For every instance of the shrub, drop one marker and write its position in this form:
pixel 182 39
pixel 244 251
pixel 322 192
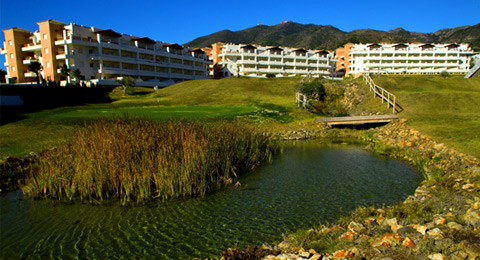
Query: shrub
pixel 140 159
pixel 270 75
pixel 444 74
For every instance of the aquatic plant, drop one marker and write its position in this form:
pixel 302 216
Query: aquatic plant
pixel 140 159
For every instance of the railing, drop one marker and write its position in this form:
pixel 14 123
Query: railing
pixel 380 92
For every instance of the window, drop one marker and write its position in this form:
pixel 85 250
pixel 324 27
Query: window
pixel 10 43
pixel 91 65
pixel 13 68
pixel 45 36
pixel 46 50
pixel 48 64
pixel 11 55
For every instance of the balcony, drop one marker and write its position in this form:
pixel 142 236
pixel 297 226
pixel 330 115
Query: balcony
pixel 29 60
pixel 29 74
pixel 31 47
pixel 61 55
pixel 3 51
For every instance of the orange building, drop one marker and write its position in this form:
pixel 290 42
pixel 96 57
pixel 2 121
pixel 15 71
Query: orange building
pixel 343 56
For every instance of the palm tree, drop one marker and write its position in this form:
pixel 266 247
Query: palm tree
pixel 64 70
pixel 76 74
pixel 36 67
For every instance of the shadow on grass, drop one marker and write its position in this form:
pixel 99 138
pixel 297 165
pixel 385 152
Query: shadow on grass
pixel 36 98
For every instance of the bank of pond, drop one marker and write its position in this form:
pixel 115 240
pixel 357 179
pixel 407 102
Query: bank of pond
pixel 308 183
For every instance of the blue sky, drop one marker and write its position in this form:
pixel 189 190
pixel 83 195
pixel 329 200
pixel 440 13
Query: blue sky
pixel 183 21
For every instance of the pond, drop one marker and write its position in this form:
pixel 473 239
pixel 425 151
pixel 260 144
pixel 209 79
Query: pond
pixel 311 182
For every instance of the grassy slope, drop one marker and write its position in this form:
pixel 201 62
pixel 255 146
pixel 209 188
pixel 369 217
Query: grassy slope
pixel 204 99
pixel 445 109
pixel 448 109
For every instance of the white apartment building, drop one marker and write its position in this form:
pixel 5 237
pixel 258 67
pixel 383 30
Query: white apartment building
pixel 102 56
pixel 404 58
pixel 258 61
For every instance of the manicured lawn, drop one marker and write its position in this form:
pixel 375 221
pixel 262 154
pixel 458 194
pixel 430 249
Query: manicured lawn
pixel 447 109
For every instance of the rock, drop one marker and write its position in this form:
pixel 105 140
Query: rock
pixel 391 222
pixel 316 257
pixel 436 233
pixel 436 256
pixel 347 235
pixel 404 231
pixel 340 253
pixel 356 227
pixel 440 221
pixel 284 244
pixel 422 229
pixel 395 228
pixel 468 186
pixel 472 218
pixel 454 225
pixel 304 255
pixel 408 242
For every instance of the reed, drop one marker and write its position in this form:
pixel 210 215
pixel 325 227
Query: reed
pixel 138 159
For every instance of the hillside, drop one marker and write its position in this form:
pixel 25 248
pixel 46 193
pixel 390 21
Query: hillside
pixel 328 37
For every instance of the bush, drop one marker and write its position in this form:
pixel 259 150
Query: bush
pixel 313 90
pixel 270 75
pixel 444 74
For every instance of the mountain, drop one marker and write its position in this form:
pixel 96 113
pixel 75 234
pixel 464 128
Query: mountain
pixel 328 37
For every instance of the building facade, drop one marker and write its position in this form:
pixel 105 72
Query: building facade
pixel 258 61
pixel 102 56
pixel 404 58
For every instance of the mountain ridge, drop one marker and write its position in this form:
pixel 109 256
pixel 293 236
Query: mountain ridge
pixel 311 36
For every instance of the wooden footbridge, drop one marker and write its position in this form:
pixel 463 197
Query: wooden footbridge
pixel 357 120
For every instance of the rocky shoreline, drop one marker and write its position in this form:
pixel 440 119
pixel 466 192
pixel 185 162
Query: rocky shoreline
pixel 440 221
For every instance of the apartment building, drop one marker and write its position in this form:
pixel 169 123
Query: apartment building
pixel 404 58
pixel 258 61
pixel 102 56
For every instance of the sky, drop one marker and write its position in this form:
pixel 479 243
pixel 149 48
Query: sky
pixel 182 21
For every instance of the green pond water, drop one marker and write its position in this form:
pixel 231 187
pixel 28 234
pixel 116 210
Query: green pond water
pixel 308 184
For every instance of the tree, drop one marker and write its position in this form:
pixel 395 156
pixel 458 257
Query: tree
pixel 36 67
pixel 64 70
pixel 2 75
pixel 126 82
pixel 76 74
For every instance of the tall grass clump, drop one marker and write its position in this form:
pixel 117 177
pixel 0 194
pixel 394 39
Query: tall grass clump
pixel 137 159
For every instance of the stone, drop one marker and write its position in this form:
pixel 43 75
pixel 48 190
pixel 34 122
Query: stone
pixel 440 221
pixel 436 256
pixel 356 227
pixel 284 244
pixel 436 233
pixel 472 218
pixel 404 231
pixel 391 222
pixel 347 235
pixel 468 186
pixel 304 254
pixel 454 225
pixel 340 253
pixel 408 242
pixel 422 229
pixel 316 257
pixel 395 228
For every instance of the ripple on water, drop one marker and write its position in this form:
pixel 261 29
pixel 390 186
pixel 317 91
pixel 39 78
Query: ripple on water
pixel 309 183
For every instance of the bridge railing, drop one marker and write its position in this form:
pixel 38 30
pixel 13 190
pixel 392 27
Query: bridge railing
pixel 386 96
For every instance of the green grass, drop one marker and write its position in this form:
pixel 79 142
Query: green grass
pixel 254 100
pixel 447 109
